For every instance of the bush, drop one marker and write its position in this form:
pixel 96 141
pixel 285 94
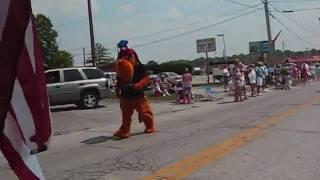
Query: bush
pixel 177 67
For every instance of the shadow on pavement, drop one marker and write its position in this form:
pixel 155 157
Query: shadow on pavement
pixel 97 140
pixel 103 139
pixel 227 102
pixel 71 108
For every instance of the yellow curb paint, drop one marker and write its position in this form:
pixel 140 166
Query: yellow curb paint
pixel 193 163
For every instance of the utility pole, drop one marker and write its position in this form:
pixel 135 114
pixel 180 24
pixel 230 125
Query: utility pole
pixel 271 47
pixel 207 64
pixel 283 49
pixel 84 56
pixel 93 45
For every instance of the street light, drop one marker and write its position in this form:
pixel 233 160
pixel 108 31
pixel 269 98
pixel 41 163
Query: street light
pixel 224 47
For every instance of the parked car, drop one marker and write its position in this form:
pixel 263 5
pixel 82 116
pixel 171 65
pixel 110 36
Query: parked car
pixel 81 86
pixel 217 73
pixel 153 76
pixel 111 79
pixel 172 77
pixel 111 75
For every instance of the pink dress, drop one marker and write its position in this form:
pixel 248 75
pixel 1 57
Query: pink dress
pixel 156 87
pixel 236 77
pixel 186 80
pixel 294 73
pixel 305 71
pixel 186 84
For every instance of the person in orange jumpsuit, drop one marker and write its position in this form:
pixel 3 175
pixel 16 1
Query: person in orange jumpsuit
pixel 131 81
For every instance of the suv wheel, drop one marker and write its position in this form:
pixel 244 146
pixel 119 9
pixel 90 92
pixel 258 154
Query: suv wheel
pixel 89 99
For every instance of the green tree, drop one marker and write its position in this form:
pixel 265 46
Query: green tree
pixel 102 55
pixel 48 39
pixel 153 66
pixel 152 63
pixel 178 66
pixel 62 59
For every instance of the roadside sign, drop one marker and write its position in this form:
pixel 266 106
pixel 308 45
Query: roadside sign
pixel 259 47
pixel 206 45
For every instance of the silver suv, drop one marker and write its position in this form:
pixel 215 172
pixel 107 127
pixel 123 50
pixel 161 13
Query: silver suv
pixel 81 86
pixel 172 77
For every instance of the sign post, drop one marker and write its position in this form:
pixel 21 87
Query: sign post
pixel 260 48
pixel 206 45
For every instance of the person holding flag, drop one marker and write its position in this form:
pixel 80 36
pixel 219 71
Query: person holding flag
pixel 25 125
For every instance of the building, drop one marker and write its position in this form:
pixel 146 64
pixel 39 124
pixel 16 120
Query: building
pixel 306 59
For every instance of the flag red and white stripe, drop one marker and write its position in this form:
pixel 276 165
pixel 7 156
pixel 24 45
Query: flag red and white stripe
pixel 25 126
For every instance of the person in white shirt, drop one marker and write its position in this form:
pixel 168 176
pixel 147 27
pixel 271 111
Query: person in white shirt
pixel 266 74
pixel 253 79
pixel 243 69
pixel 226 77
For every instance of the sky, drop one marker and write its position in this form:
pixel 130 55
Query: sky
pixel 164 30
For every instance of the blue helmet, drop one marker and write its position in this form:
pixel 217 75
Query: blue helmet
pixel 123 44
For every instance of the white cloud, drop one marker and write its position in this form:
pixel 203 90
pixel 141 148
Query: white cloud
pixel 174 13
pixel 127 8
pixel 66 8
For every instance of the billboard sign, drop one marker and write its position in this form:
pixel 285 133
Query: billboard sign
pixel 206 45
pixel 259 47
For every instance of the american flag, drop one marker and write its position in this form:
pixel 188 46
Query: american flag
pixel 25 126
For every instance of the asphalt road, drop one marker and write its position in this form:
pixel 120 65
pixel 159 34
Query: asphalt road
pixel 273 136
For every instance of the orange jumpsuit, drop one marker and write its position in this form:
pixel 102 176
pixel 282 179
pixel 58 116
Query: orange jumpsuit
pixel 131 82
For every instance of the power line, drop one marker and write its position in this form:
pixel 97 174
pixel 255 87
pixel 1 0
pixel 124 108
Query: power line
pixel 294 22
pixel 294 33
pixel 305 9
pixel 241 4
pixel 191 31
pixel 294 1
pixel 195 30
pixel 295 39
pixel 189 24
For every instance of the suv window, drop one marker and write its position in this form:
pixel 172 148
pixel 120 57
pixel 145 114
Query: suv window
pixel 53 77
pixel 93 73
pixel 72 75
pixel 172 74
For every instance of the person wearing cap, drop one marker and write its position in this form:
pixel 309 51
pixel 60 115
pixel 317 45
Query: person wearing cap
pixel 132 79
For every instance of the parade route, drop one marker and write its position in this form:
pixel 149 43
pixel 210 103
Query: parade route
pixel 273 136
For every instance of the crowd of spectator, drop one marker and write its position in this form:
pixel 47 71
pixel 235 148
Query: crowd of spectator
pixel 242 79
pixel 252 79
pixel 183 89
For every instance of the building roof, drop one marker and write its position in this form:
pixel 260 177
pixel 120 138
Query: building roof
pixel 306 59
